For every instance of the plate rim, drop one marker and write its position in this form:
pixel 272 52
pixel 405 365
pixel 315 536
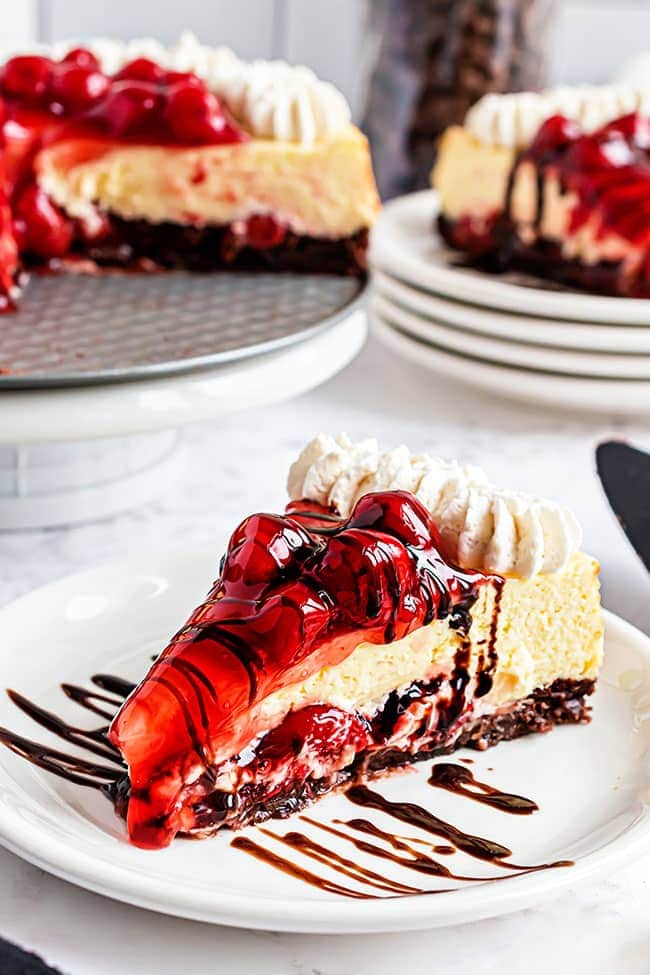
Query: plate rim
pixel 486 290
pixel 550 390
pixel 121 883
pixel 579 362
pixel 463 316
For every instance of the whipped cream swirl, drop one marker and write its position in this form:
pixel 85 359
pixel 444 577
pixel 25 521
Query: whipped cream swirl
pixel 513 120
pixel 272 99
pixel 481 526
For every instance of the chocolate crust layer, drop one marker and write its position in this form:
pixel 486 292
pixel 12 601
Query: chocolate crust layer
pixel 136 243
pixel 544 259
pixel 563 702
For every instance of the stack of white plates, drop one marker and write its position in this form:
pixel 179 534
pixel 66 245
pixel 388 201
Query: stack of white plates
pixel 508 334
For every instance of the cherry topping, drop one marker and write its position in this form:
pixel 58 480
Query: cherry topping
pixel 27 77
pixel 141 69
pixel 130 107
pixel 39 222
pixel 184 77
pixel 633 128
pixel 395 513
pixel 195 115
pixel 77 87
pixel 264 548
pixel 554 134
pixel 264 232
pixel 289 601
pixel 83 58
pixel 317 728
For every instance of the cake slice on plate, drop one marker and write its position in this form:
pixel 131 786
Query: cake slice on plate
pixel 401 607
pixel 556 183
pixel 140 155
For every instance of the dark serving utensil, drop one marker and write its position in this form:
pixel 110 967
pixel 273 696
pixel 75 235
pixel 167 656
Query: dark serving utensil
pixel 625 475
pixel 15 961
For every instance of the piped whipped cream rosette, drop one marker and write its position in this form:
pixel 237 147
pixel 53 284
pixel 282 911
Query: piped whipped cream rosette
pixel 482 526
pixel 513 120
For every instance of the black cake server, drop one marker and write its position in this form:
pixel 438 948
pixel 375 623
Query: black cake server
pixel 625 474
pixel 15 961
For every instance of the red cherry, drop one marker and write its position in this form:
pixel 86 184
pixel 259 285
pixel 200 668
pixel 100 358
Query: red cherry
pixel 195 116
pixel 27 78
pixel 183 77
pixel 47 232
pixel 82 58
pixel 129 107
pixel 264 232
pixel 141 69
pixel 19 229
pixel 319 728
pixel 632 128
pixel 586 154
pixel 396 513
pixel 76 88
pixel 264 547
pixel 555 133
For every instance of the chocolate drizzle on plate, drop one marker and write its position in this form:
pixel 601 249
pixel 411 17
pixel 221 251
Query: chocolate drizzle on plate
pixel 69 766
pixel 413 853
pixel 457 779
pixel 399 850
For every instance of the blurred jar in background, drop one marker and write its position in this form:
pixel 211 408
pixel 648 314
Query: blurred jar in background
pixel 430 60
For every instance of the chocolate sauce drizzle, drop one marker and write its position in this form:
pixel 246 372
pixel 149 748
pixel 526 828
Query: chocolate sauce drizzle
pixel 414 815
pixel 456 778
pixel 71 767
pixel 401 851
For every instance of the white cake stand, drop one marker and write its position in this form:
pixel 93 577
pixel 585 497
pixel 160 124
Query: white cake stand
pixel 72 453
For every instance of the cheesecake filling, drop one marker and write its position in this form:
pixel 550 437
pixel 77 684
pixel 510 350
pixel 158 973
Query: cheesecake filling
pixel 322 190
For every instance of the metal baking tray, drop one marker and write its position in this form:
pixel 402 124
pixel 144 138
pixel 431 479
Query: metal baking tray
pixel 75 329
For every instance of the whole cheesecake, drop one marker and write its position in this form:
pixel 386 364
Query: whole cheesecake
pixel 137 155
pixel 556 183
pixel 401 607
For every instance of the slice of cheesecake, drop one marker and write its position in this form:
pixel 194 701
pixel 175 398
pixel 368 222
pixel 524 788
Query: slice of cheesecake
pixel 343 639
pixel 143 156
pixel 556 183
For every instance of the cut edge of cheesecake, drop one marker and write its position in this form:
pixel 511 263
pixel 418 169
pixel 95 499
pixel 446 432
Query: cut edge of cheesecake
pixel 288 186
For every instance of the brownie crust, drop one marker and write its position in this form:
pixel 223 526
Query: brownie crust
pixel 544 259
pixel 563 702
pixel 138 244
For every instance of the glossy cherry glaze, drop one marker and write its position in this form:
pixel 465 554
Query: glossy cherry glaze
pixel 8 252
pixel 142 101
pixel 608 170
pixel 290 600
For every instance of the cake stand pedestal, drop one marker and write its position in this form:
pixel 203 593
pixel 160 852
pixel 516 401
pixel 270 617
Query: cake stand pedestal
pixel 77 453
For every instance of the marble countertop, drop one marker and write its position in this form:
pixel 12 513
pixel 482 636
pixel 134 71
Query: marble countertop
pixel 238 464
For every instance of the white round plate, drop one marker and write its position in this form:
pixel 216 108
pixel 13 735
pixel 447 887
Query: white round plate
pixel 120 409
pixel 591 782
pixel 592 337
pixel 621 397
pixel 405 244
pixel 569 362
